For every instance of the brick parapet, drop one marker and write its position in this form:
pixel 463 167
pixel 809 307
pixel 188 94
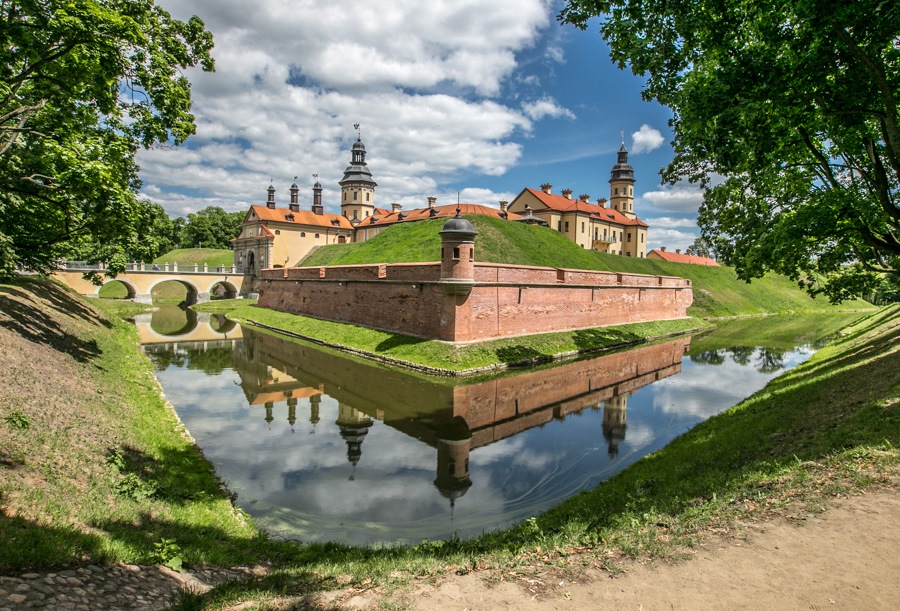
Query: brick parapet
pixel 504 301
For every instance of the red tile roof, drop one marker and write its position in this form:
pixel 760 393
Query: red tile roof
pixel 563 204
pixel 300 217
pixel 385 217
pixel 677 257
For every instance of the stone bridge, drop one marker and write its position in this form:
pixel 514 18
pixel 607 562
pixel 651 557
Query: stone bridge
pixel 200 327
pixel 139 279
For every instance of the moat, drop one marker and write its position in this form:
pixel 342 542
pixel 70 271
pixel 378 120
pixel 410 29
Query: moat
pixel 321 447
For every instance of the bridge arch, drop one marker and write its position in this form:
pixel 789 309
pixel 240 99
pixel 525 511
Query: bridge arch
pixel 194 295
pixel 129 286
pixel 231 290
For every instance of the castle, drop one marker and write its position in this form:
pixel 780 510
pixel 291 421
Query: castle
pixel 273 236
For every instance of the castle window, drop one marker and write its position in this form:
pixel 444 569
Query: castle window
pixel 617 191
pixel 567 226
pixel 629 237
pixel 354 196
pixel 367 213
pixel 595 232
pixel 367 197
pixel 559 225
pixel 302 234
pixel 345 196
pixel 456 253
pixel 317 236
pixel 582 227
pixel 278 232
pixel 627 254
pixel 642 238
pixel 354 213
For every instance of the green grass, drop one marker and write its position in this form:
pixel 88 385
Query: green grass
pixel 717 290
pixel 105 470
pixel 199 256
pixel 94 467
pixel 442 357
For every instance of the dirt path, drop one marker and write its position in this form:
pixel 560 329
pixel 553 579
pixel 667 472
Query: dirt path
pixel 846 558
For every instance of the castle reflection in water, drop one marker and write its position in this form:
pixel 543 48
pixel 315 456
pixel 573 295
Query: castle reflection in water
pixel 452 416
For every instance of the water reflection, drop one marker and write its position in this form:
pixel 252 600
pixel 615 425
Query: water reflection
pixel 170 323
pixel 319 446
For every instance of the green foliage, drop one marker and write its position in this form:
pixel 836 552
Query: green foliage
pixel 211 227
pixel 717 290
pixel 796 105
pixel 168 553
pixel 83 85
pixel 17 420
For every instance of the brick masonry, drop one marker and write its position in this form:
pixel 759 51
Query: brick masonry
pixel 500 301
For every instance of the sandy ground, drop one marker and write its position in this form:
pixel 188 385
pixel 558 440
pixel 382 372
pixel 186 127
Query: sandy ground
pixel 845 558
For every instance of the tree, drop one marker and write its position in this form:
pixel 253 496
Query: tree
pixel 702 247
pixel 83 85
pixel 211 227
pixel 795 105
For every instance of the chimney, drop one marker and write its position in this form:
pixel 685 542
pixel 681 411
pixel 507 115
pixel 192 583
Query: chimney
pixel 601 201
pixel 294 190
pixel 584 197
pixel 503 204
pixel 662 249
pixel 317 199
pixel 546 187
pixel 294 207
pixel 395 207
pixel 677 251
pixel 431 201
pixel 270 203
pixel 567 193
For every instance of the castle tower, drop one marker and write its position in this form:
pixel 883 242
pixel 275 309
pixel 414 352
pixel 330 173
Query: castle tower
pixel 357 186
pixel 354 426
pixel 621 185
pixel 615 410
pixel 453 447
pixel 458 256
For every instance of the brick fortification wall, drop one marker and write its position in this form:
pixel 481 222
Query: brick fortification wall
pixel 499 301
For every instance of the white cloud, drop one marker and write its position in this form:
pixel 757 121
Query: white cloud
pixel 646 139
pixel 556 54
pixel 291 79
pixel 680 198
pixel 545 107
pixel 671 223
pixel 672 239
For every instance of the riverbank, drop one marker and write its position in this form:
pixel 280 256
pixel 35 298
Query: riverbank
pixel 77 389
pixel 445 359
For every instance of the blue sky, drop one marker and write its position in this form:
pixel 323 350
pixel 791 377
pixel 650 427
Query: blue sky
pixel 476 97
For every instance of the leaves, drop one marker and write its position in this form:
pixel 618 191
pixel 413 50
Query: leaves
pixel 83 85
pixel 796 105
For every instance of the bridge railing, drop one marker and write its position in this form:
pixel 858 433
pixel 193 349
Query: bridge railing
pixel 140 266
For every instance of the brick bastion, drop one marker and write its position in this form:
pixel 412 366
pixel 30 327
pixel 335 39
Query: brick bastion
pixel 459 300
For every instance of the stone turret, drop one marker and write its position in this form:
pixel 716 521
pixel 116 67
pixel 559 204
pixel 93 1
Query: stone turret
pixel 458 256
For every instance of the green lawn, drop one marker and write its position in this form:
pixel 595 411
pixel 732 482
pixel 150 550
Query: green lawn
pixel 717 290
pixel 444 358
pixel 191 256
pixel 95 468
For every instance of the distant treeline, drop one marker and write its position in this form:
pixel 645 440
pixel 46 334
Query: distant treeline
pixel 158 234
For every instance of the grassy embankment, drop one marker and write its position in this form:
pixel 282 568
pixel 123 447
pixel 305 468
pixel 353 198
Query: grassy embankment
pixel 95 468
pixel 717 291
